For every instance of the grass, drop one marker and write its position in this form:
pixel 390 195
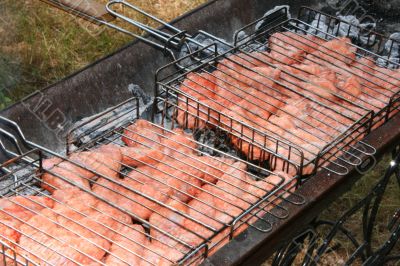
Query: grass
pixel 342 246
pixel 390 203
pixel 39 45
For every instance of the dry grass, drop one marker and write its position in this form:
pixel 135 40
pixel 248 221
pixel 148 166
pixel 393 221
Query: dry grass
pixel 40 44
pixel 343 248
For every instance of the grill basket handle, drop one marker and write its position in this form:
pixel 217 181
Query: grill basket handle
pixel 173 40
pixel 104 16
pixel 10 130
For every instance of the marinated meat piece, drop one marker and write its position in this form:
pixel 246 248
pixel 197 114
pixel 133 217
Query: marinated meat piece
pixel 87 216
pixel 337 52
pixel 324 87
pixel 283 48
pixel 268 184
pixel 73 198
pixel 45 238
pixel 172 178
pixel 364 69
pixel 16 210
pixel 388 79
pixel 230 204
pixel 106 161
pixel 179 144
pixel 203 209
pixel 134 156
pixel 77 211
pixel 271 182
pixel 197 115
pixel 109 194
pixel 156 254
pixel 59 174
pixel 350 88
pixel 9 226
pixel 284 122
pixel 251 59
pixel 243 130
pixel 169 227
pixel 183 180
pixel 134 203
pixel 290 47
pixel 264 79
pixel 233 85
pixel 211 167
pixel 110 211
pixel 200 86
pixel 142 134
pixel 63 249
pixel 51 162
pixel 232 187
pixel 25 203
pixel 259 58
pixel 93 224
pixel 248 108
pixel 128 246
pixel 65 175
pixel 172 145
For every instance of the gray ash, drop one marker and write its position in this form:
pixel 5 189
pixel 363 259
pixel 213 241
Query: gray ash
pixel 190 47
pixel 22 182
pixel 90 128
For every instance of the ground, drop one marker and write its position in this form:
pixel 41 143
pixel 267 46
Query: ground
pixel 39 45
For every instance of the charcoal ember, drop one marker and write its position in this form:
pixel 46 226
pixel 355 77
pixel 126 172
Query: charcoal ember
pixel 391 57
pixel 87 131
pixel 138 92
pixel 389 62
pixel 164 117
pixel 387 8
pixel 319 26
pixel 214 140
pixel 354 32
pixel 243 38
pixel 21 182
pixel 5 184
pixel 201 41
pixel 261 24
pixel 392 47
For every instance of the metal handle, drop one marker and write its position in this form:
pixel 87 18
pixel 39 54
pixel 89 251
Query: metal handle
pixel 18 137
pixel 91 9
pixel 174 40
pixel 165 42
pixel 86 12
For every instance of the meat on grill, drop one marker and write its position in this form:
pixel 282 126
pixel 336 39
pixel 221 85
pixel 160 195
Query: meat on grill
pixel 323 81
pixel 171 145
pixel 162 255
pixel 81 168
pixel 170 228
pixel 128 246
pixel 44 240
pixel 17 210
pixel 142 134
pixel 184 198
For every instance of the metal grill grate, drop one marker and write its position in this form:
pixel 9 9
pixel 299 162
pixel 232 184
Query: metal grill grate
pixel 241 89
pixel 241 193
